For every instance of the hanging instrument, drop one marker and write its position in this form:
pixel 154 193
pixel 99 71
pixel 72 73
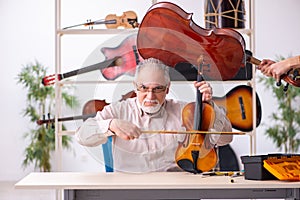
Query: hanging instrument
pixel 50 80
pixel 119 60
pixel 127 20
pixel 239 107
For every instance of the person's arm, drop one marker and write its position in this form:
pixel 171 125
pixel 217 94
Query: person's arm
pixel 221 124
pixel 293 62
pixel 276 69
pixel 93 132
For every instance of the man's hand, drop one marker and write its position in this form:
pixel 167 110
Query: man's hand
pixel 205 89
pixel 124 129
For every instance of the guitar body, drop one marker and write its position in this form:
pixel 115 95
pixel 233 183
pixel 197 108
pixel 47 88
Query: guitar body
pixel 129 55
pixel 239 107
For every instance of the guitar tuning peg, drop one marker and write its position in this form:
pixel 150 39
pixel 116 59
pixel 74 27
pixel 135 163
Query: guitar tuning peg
pixel 295 74
pixel 278 83
pixel 47 124
pixel 286 87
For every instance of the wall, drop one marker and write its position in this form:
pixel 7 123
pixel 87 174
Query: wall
pixel 27 34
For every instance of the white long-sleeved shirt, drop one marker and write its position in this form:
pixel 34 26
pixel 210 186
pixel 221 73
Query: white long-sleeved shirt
pixel 150 152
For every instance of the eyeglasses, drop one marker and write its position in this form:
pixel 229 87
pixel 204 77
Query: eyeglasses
pixel 157 89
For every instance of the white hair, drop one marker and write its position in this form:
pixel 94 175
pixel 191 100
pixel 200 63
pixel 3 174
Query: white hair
pixel 154 64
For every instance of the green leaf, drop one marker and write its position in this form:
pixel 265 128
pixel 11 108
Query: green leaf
pixel 39 99
pixel 285 132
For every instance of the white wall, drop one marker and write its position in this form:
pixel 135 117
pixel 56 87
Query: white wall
pixel 27 34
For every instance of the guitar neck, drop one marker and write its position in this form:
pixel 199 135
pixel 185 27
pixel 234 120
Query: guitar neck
pixel 84 117
pixel 107 63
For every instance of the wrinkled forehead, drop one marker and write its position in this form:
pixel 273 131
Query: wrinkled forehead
pixel 151 75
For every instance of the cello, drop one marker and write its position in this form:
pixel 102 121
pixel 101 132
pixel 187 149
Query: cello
pixel 169 34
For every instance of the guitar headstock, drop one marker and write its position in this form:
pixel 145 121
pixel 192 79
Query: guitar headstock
pixel 50 80
pixel 48 121
pixel 44 121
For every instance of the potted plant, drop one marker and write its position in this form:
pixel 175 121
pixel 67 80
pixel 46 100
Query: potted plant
pixel 285 130
pixel 40 99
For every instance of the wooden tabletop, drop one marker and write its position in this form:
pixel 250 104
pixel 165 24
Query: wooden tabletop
pixel 155 180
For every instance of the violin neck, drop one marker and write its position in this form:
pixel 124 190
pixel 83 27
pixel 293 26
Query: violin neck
pixel 198 106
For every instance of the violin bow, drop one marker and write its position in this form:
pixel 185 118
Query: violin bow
pixel 191 132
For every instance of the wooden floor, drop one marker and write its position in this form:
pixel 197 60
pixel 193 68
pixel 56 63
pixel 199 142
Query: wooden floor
pixel 8 192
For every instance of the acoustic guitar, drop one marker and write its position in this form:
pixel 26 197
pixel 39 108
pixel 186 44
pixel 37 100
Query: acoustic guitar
pixel 239 107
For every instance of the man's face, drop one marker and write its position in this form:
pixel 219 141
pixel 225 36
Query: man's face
pixel 151 89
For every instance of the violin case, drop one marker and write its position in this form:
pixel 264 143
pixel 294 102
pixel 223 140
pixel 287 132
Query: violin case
pixel 272 167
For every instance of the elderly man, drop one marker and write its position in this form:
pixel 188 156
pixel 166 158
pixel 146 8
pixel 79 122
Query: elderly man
pixel 125 121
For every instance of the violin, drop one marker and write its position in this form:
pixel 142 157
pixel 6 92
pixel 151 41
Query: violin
pixel 195 154
pixel 169 34
pixel 127 20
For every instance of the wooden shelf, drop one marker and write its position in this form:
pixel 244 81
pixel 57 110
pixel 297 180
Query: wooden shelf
pixel 93 31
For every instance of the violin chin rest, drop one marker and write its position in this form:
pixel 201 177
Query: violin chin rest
pixel 188 166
